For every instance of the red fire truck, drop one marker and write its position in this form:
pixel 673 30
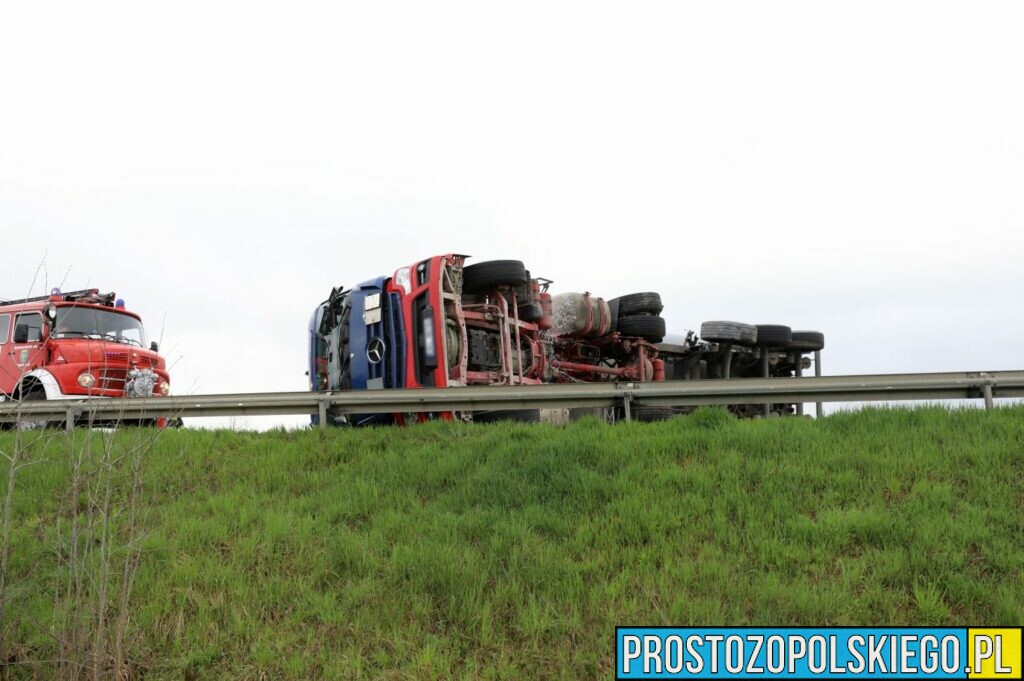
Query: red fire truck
pixel 74 345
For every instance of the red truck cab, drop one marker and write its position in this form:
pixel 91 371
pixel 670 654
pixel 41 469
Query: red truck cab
pixel 74 345
pixel 442 323
pixel 461 334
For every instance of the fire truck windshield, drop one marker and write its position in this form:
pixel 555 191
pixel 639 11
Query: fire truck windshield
pixel 90 322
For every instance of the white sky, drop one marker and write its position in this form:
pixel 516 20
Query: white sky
pixel 854 168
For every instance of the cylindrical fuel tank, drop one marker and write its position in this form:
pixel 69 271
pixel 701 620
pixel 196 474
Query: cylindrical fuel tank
pixel 581 315
pixel 545 304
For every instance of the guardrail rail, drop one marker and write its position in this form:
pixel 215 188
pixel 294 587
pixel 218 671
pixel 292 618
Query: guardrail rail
pixel 985 385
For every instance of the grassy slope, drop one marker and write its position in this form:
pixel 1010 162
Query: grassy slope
pixel 445 550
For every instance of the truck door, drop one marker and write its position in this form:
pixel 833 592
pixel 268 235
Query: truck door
pixel 8 376
pixel 317 352
pixel 25 350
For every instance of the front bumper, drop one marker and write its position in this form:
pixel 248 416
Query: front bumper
pixel 111 381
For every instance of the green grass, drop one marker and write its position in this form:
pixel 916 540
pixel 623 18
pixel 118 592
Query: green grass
pixel 445 550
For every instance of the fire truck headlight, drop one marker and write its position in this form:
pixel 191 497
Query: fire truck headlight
pixel 165 388
pixel 86 380
pixel 402 278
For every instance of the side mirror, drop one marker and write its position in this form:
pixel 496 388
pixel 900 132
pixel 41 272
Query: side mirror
pixel 154 346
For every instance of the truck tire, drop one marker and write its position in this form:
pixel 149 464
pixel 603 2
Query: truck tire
pixel 648 414
pixel 807 341
pixel 35 394
pixel 577 413
pixel 484 276
pixel 515 415
pixel 531 312
pixel 774 335
pixel 650 328
pixel 639 304
pixel 729 332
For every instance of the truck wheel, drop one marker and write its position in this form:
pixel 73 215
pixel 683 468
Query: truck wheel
pixel 34 394
pixel 577 413
pixel 729 332
pixel 650 328
pixel 774 335
pixel 531 312
pixel 484 276
pixel 807 341
pixel 516 415
pixel 647 413
pixel 639 304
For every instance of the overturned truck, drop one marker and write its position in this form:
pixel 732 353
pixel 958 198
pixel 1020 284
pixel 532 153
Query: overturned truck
pixel 441 323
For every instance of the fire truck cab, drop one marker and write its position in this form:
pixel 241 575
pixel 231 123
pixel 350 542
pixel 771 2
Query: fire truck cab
pixel 74 345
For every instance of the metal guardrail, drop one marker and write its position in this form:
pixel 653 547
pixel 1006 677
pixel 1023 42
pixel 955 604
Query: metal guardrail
pixel 986 385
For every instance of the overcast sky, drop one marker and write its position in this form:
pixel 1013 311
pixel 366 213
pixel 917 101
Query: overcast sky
pixel 853 168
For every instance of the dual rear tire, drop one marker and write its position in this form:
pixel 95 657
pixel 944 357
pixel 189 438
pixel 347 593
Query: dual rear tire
pixel 735 333
pixel 772 336
pixel 806 341
pixel 639 315
pixel 485 276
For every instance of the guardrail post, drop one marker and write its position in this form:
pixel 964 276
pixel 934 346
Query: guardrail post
pixel 766 373
pixel 69 419
pixel 817 372
pixel 986 391
pixel 798 362
pixel 322 408
pixel 627 400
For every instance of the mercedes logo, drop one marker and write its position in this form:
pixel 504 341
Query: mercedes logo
pixel 375 350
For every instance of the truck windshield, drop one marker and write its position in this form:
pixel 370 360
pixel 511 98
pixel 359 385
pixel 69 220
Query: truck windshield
pixel 89 322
